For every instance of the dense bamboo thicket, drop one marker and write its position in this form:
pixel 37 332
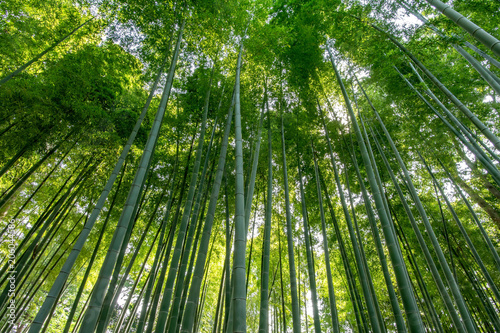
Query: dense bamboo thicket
pixel 249 166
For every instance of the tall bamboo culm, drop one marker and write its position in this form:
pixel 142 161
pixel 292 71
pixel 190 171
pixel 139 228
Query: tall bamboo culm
pixel 415 323
pixel 92 313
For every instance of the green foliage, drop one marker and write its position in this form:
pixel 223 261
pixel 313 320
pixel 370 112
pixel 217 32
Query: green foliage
pixel 92 87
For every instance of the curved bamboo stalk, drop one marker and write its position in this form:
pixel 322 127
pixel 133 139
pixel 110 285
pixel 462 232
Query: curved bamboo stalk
pixel 428 257
pixel 189 274
pixel 5 198
pixel 264 281
pixel 22 265
pixel 309 255
pixel 364 261
pixel 240 233
pixel 114 292
pixel 68 265
pixel 331 291
pixel 159 250
pixel 188 320
pixel 353 292
pixel 364 278
pixel 474 30
pixel 176 306
pixel 93 256
pixel 250 252
pixel 469 144
pixel 251 184
pixel 444 265
pixel 486 74
pixel 486 238
pixel 180 242
pixel 398 316
pixel 227 260
pixel 168 247
pixel 91 315
pixel 471 246
pixel 41 54
pixel 39 186
pixel 469 114
pixel 409 302
pixel 289 236
pixel 485 160
pixel 420 281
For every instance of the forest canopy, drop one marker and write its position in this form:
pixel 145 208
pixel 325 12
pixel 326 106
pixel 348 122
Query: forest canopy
pixel 249 166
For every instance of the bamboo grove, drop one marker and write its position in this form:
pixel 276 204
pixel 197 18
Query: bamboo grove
pixel 249 166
